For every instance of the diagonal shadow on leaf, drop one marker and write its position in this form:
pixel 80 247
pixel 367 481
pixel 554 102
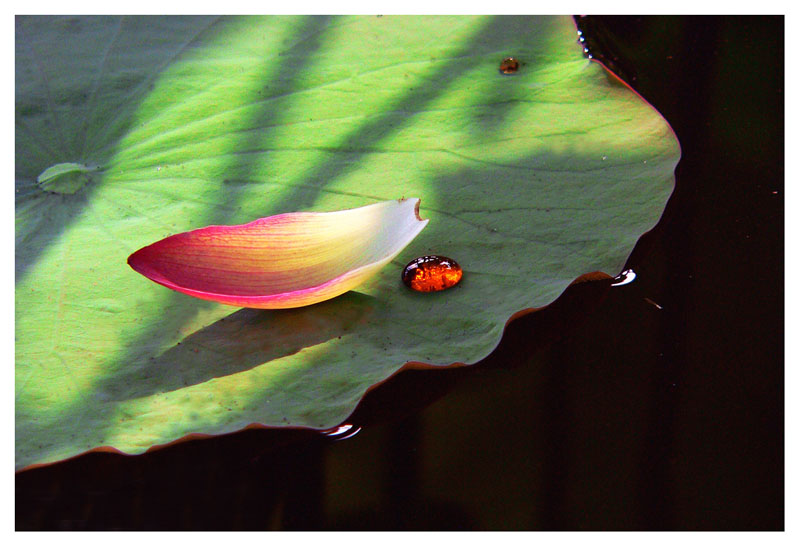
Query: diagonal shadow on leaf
pixel 243 340
pixel 367 138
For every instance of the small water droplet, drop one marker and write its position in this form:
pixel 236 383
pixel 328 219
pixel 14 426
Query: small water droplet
pixel 509 66
pixel 342 432
pixel 431 273
pixel 624 278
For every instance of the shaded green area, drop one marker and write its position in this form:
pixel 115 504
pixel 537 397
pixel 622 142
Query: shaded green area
pixel 529 181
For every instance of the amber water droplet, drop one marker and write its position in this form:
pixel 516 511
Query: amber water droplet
pixel 431 273
pixel 509 66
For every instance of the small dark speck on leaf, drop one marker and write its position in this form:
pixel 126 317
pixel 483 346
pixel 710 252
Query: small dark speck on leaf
pixel 509 65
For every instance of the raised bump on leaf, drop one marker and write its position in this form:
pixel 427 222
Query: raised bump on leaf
pixel 64 178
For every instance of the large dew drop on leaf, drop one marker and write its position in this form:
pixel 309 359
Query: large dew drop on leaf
pixel 529 180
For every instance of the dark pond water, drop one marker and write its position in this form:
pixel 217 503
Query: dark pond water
pixel 655 405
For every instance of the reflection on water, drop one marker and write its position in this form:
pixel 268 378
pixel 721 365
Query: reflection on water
pixel 342 432
pixel 624 278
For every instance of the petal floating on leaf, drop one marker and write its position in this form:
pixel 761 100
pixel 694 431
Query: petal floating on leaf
pixel 283 261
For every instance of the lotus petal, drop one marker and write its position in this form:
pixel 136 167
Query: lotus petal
pixel 283 261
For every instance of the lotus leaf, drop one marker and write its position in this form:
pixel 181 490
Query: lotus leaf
pixel 129 129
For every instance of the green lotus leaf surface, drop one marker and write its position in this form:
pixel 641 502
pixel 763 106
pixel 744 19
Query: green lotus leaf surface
pixel 129 129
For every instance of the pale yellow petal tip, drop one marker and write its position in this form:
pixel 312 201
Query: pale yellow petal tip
pixel 283 261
